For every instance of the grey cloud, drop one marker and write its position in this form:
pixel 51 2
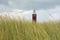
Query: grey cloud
pixel 32 4
pixel 5 2
pixel 35 4
pixel 4 8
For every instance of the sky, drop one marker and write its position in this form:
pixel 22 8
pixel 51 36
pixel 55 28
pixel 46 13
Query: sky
pixel 45 9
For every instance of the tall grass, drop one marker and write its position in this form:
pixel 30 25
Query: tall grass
pixel 12 29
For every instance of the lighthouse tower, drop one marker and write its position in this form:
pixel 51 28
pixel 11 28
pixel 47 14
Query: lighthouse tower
pixel 34 16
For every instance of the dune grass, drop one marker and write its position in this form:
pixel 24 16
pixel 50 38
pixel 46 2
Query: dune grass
pixel 25 30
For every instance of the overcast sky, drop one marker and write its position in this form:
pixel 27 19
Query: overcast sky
pixel 30 4
pixel 43 7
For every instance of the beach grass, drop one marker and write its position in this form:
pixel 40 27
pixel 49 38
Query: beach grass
pixel 12 29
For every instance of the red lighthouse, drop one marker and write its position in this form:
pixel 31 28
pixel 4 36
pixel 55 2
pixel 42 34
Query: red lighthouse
pixel 34 16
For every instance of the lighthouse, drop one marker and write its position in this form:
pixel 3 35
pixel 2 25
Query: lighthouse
pixel 34 16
